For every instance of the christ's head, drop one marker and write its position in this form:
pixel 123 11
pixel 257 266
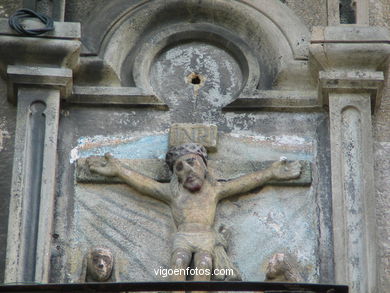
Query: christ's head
pixel 189 164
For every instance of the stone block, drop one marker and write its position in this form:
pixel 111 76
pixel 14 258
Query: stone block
pixel 205 135
pixel 350 47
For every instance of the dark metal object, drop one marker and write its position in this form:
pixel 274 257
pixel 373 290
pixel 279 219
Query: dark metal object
pixel 177 286
pixel 15 22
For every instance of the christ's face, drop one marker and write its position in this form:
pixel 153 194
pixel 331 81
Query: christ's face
pixel 191 172
pixel 100 264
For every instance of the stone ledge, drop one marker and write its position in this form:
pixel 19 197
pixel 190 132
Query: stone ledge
pixel 349 48
pixel 350 34
pixel 276 100
pixel 127 96
pixel 59 48
pixel 62 30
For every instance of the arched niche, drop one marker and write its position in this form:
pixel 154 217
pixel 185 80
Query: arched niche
pixel 261 39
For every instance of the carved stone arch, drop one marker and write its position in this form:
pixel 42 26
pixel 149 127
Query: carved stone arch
pixel 263 37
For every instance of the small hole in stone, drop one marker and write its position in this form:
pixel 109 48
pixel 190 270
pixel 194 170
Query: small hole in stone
pixel 195 80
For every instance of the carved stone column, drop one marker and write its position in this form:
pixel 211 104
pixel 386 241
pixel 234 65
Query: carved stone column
pixel 349 62
pixel 42 76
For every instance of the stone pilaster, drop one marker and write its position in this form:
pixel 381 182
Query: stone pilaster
pixel 349 62
pixel 38 71
pixel 33 185
pixel 353 197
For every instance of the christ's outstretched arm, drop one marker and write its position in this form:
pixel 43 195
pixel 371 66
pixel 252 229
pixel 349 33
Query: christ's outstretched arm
pixel 280 170
pixel 141 183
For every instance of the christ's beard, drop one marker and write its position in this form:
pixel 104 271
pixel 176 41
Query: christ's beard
pixel 193 183
pixel 193 186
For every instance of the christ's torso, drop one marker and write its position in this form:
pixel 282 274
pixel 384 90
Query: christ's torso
pixel 194 211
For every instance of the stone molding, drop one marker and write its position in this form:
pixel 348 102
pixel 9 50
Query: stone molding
pixel 118 11
pixel 119 96
pixel 370 82
pixel 276 100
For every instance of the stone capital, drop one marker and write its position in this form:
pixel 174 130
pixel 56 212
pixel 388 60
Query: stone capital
pixel 55 78
pixel 350 59
pixel 46 60
pixel 354 81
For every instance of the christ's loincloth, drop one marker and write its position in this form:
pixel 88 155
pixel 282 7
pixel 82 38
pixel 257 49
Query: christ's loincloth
pixel 211 242
pixel 195 241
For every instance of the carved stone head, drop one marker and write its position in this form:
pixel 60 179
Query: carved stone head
pixel 100 263
pixel 276 266
pixel 189 163
pixel 282 268
pixel 176 152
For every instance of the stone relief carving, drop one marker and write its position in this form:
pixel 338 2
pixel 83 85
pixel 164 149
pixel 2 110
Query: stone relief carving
pixel 193 194
pixel 99 266
pixel 221 259
pixel 282 268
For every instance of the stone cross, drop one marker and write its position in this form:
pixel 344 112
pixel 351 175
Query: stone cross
pixel 206 135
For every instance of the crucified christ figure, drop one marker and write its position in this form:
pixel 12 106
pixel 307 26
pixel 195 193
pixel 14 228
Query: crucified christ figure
pixel 193 195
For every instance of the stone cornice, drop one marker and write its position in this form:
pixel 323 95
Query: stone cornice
pixel 47 60
pixel 350 58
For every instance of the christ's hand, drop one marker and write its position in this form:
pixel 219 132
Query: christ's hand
pixel 282 169
pixel 109 168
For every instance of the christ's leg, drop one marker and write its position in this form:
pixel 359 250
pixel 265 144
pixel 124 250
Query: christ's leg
pixel 180 259
pixel 203 261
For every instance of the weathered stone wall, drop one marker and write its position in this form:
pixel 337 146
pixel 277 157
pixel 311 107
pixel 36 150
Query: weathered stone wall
pixel 380 16
pixel 380 13
pixel 7 136
pixel 7 131
pixel 8 7
pixel 312 13
pixel 381 123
